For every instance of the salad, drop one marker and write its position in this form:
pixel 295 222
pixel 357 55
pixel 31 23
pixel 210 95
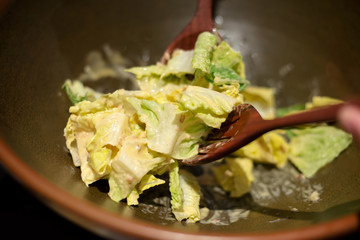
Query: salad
pixel 136 139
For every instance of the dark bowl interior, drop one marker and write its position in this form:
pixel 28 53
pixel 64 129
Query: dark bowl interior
pixel 301 48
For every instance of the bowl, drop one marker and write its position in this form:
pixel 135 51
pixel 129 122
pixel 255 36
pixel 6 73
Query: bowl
pixel 301 49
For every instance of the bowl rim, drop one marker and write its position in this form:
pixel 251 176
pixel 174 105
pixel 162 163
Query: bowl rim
pixel 115 224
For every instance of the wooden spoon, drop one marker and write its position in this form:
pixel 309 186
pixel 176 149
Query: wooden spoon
pixel 244 124
pixel 201 22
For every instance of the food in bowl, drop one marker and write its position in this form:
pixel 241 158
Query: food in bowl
pixel 136 139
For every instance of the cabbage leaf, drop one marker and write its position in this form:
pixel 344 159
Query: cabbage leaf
pixel 235 175
pixel 313 148
pixel 185 195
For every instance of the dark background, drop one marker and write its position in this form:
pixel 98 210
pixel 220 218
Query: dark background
pixel 22 215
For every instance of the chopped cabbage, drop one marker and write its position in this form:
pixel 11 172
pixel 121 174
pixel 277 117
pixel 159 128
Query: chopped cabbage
pixel 133 137
pixel 235 175
pixel 174 186
pixel 204 47
pixel 227 58
pixel 180 63
pixel 263 99
pixel 130 137
pixel 191 132
pixel 313 148
pixel 210 106
pixel 77 92
pixel 129 166
pixel 185 195
pixel 209 65
pixel 317 101
pixel 270 148
pixel 320 101
pixel 148 181
pixel 162 123
pixel 281 112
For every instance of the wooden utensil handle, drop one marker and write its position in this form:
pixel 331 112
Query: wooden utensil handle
pixel 204 10
pixel 321 114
